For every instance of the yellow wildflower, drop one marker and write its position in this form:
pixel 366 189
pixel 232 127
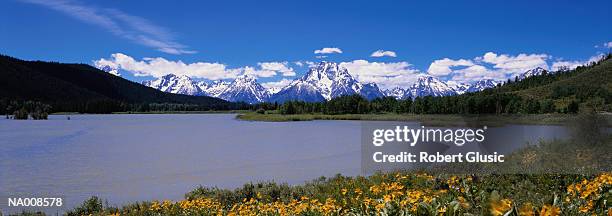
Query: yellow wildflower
pixel 526 210
pixel 500 207
pixel 548 210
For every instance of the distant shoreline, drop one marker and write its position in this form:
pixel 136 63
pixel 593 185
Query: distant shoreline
pixel 160 112
pixel 428 119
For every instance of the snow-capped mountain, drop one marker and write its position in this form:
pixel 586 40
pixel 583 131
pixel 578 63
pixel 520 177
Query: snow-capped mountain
pixel 175 84
pixel 481 85
pixel 245 89
pixel 532 72
pixel 459 88
pixel 213 89
pixel 430 86
pixel 371 91
pixel 273 90
pixel 110 70
pixel 325 81
pixel 397 92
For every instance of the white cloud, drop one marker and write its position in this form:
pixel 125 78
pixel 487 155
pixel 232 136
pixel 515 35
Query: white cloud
pixel 566 65
pixel 158 67
pixel 515 64
pixel 133 28
pixel 321 56
pixel 488 66
pixel 442 67
pixel 474 73
pixel 277 85
pixel 328 50
pixel 386 75
pixel 304 63
pixel 596 58
pixel 574 64
pixel 608 45
pixel 281 67
pixel 381 53
pixel 257 73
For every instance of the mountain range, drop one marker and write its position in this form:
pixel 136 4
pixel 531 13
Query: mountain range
pixel 323 81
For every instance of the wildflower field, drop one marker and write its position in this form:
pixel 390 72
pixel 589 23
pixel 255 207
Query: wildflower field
pixel 390 194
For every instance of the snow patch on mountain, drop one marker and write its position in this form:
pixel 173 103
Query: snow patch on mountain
pixel 532 72
pixel 245 89
pixel 430 86
pixel 175 84
pixel 482 85
pixel 325 81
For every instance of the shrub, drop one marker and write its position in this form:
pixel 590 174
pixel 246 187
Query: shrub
pixel 91 206
pixel 261 111
pixel 21 114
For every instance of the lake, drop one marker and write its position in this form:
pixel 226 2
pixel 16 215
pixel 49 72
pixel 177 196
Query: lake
pixel 126 158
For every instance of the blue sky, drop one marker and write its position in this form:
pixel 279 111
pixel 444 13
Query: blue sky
pixel 223 39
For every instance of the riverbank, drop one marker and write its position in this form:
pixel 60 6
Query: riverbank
pixel 432 120
pixel 164 112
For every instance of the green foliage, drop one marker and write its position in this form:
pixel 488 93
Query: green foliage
pixel 23 110
pixel 20 114
pixel 27 213
pixel 90 206
pixel 260 111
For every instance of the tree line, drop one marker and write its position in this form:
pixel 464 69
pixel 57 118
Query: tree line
pixel 462 104
pixel 105 106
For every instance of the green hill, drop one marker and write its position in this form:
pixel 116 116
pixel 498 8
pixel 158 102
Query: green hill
pixel 83 88
pixel 591 85
pixel 588 86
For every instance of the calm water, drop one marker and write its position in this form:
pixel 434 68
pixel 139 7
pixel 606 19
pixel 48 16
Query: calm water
pixel 125 158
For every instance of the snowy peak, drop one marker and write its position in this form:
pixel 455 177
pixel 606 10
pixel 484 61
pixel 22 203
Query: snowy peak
pixel 371 91
pixel 397 92
pixel 459 88
pixel 175 84
pixel 245 89
pixel 430 86
pixel 482 85
pixel 532 72
pixel 325 81
pixel 331 80
pixel 213 89
pixel 327 71
pixel 110 70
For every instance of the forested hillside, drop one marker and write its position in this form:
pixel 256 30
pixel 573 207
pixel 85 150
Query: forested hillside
pixel 83 88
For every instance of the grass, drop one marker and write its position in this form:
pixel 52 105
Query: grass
pixel 186 112
pixel 397 193
pixel 431 120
